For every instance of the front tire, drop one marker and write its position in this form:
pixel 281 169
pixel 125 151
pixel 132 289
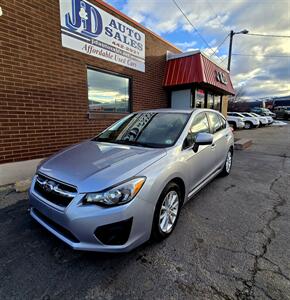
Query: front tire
pixel 248 125
pixel 228 164
pixel 166 212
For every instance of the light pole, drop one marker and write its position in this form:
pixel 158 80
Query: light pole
pixel 232 33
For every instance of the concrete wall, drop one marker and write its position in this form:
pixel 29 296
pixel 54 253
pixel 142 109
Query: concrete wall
pixel 12 172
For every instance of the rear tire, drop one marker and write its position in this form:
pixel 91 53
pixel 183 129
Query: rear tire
pixel 228 164
pixel 166 212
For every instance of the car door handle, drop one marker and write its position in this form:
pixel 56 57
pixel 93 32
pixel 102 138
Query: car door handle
pixel 213 146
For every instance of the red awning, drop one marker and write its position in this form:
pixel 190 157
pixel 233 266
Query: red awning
pixel 197 68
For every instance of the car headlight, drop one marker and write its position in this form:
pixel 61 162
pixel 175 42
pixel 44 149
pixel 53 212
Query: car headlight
pixel 117 195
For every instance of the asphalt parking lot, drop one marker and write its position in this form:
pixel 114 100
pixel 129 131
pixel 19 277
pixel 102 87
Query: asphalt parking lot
pixel 232 242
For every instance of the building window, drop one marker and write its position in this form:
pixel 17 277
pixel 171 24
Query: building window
pixel 108 92
pixel 199 98
pixel 217 102
pixel 210 101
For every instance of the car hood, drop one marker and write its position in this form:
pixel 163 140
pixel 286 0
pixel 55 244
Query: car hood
pixel 253 119
pixel 93 166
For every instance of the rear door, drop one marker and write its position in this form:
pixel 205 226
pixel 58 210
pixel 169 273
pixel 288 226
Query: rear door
pixel 219 130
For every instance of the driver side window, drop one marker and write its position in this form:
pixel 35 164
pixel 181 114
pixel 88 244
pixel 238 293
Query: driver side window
pixel 199 124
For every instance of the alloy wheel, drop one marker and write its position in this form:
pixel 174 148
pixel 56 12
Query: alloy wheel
pixel 168 212
pixel 229 162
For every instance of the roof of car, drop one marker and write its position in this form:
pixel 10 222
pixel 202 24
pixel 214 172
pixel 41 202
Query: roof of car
pixel 168 110
pixel 172 110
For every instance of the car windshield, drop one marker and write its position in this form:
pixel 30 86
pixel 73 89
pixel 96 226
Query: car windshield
pixel 148 129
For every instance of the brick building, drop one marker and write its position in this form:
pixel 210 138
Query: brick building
pixel 70 68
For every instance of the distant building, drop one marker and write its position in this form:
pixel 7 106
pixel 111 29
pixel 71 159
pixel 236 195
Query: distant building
pixel 243 106
pixel 281 101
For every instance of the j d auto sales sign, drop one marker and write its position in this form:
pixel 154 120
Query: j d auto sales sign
pixel 90 30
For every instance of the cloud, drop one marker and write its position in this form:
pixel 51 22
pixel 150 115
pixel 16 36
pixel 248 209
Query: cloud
pixel 261 75
pixel 186 46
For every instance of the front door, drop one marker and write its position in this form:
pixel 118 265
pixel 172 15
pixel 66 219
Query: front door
pixel 201 164
pixel 218 128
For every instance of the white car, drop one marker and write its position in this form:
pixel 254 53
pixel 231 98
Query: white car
pixel 250 122
pixel 264 120
pixel 236 122
pixel 270 119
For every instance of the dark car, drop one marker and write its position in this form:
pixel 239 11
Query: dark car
pixel 282 112
pixel 263 112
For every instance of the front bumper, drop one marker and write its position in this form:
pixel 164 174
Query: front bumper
pixel 77 225
pixel 264 122
pixel 270 121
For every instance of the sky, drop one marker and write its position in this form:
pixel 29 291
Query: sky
pixel 260 74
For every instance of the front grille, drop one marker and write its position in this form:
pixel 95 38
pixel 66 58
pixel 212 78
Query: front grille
pixel 54 191
pixel 58 228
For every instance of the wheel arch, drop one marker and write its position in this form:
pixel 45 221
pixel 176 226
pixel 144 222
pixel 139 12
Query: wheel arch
pixel 179 181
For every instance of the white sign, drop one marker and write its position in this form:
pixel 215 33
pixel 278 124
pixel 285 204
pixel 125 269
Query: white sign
pixel 89 29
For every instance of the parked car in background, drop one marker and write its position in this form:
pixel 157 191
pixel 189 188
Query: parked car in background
pixel 263 112
pixel 270 119
pixel 264 120
pixel 250 122
pixel 249 115
pixel 115 191
pixel 282 112
pixel 236 122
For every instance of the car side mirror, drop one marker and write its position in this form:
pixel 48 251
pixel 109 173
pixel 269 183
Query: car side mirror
pixel 202 138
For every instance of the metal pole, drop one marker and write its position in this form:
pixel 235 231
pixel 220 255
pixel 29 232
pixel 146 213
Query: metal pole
pixel 230 50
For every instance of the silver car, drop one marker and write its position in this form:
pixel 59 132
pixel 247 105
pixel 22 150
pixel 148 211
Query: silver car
pixel 128 184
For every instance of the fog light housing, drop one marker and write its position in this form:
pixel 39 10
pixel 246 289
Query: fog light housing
pixel 115 233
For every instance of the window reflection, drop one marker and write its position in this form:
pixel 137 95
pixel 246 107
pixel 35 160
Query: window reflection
pixel 107 92
pixel 199 98
pixel 210 101
pixel 146 129
pixel 199 124
pixel 217 102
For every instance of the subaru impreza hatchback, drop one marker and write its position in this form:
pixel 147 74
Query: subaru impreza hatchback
pixel 128 184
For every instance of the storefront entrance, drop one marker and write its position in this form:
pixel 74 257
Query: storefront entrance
pixel 194 81
pixel 195 98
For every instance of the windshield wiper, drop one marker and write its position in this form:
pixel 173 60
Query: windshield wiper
pixel 133 143
pixel 105 140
